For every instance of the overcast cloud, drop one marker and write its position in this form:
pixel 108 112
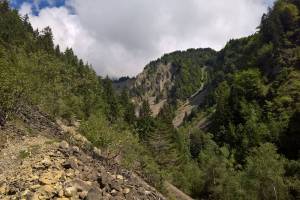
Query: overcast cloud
pixel 119 37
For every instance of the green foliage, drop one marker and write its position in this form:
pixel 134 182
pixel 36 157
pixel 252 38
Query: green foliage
pixel 190 71
pixel 112 110
pixel 254 83
pixel 256 98
pixel 263 175
pixel 128 108
pixel 118 140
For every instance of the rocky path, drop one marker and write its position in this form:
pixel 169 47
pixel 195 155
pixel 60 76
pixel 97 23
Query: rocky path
pixel 34 166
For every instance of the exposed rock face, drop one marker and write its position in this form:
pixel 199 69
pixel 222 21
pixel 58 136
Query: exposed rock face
pixel 156 81
pixel 155 85
pixel 36 166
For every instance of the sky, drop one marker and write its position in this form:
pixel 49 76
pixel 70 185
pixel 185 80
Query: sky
pixel 119 37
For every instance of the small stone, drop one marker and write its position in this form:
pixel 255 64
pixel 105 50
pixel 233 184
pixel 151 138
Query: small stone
pixel 80 185
pixel 70 191
pixel 147 192
pixel 34 187
pixel 115 185
pixel 93 194
pixel 89 183
pixel 3 189
pixel 34 177
pixel 47 188
pixel 61 193
pixel 83 194
pixel 70 173
pixel 34 196
pixel 126 190
pixel 26 192
pixel 97 151
pixel 120 177
pixel 71 163
pixel 49 178
pixel 47 191
pixel 46 162
pixel 75 149
pixel 113 192
pixel 64 145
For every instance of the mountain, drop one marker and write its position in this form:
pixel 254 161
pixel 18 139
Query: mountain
pixel 245 109
pixel 194 124
pixel 173 78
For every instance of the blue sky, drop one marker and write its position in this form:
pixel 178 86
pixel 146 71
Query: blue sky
pixel 37 5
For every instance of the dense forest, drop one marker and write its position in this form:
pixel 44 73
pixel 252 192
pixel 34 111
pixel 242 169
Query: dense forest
pixel 251 148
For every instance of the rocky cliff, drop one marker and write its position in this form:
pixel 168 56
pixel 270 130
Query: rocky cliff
pixel 175 78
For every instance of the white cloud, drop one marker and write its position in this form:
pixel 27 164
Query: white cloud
pixel 120 37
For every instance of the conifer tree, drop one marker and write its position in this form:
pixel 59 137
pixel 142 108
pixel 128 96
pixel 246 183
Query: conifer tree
pixel 128 107
pixel 162 141
pixel 112 110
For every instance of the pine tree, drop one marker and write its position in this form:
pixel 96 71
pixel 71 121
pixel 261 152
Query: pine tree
pixel 128 107
pixel 112 110
pixel 162 141
pixel 145 110
pixel 4 6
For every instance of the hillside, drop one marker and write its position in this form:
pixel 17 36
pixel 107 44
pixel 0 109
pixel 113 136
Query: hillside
pixel 194 124
pixel 172 78
pixel 39 85
pixel 246 111
pixel 37 163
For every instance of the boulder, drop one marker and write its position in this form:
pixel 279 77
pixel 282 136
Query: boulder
pixel 64 145
pixel 126 190
pixel 46 191
pixel 70 164
pixel 75 149
pixel 80 185
pixel 70 191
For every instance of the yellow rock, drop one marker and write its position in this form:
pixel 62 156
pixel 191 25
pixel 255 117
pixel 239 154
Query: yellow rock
pixel 2 189
pixel 47 188
pixel 126 190
pixel 120 177
pixel 49 178
pixel 34 187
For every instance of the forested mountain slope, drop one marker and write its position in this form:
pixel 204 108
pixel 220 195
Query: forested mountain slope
pixel 172 78
pixel 243 140
pixel 240 142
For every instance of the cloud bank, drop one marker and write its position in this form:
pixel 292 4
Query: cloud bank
pixel 121 37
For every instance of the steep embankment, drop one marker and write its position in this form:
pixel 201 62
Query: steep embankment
pixel 37 164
